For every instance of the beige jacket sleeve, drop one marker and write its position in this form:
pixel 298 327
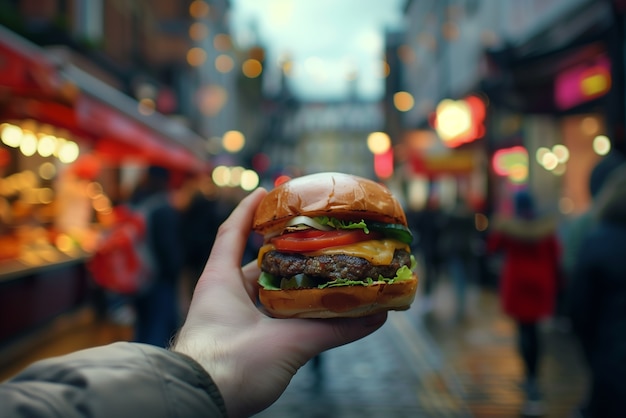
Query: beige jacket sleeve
pixel 118 380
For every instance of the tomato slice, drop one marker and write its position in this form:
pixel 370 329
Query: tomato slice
pixel 313 240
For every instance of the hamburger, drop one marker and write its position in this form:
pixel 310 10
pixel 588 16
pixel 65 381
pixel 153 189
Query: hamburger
pixel 334 245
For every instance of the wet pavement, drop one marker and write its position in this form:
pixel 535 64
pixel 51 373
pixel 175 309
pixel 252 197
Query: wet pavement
pixel 396 372
pixel 417 365
pixel 480 350
pixel 436 365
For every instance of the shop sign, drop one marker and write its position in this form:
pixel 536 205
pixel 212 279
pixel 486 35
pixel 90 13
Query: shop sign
pixel 457 162
pixel 583 83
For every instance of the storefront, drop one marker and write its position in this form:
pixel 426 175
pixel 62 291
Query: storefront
pixel 548 111
pixel 66 141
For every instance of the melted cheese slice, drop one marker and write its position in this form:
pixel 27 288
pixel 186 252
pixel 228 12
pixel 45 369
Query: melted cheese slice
pixel 377 252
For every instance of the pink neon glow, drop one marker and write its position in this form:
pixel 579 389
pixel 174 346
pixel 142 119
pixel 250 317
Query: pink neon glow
pixel 568 86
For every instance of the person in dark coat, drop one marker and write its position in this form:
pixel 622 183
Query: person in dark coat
pixel 199 223
pixel 577 228
pixel 457 246
pixel 157 308
pixel 426 225
pixel 597 301
pixel 529 282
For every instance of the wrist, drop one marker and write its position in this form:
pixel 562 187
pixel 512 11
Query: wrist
pixel 216 362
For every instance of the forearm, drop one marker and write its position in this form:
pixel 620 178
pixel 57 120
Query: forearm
pixel 121 380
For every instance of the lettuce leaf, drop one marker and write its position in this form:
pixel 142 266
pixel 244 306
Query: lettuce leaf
pixel 268 281
pixel 395 231
pixel 339 224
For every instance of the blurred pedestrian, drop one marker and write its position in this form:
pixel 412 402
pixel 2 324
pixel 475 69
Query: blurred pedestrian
pixel 528 283
pixel 157 308
pixel 576 230
pixel 199 224
pixel 457 246
pixel 426 225
pixel 597 300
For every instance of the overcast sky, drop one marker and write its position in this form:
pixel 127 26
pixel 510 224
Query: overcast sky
pixel 327 40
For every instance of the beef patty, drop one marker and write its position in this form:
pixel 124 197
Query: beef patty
pixel 331 267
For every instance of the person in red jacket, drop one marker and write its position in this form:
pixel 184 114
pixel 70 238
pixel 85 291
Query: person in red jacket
pixel 528 282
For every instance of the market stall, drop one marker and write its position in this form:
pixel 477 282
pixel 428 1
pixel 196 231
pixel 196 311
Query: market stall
pixel 65 138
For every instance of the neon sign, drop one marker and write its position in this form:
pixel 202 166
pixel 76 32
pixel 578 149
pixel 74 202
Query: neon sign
pixel 583 83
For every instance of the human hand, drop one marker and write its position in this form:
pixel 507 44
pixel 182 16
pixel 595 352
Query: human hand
pixel 250 356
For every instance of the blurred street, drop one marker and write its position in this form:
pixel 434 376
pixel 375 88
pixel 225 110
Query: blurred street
pixel 416 365
pixel 434 366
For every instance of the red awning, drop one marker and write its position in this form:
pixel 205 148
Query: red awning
pixel 120 137
pixel 33 85
pixel 114 117
pixel 26 72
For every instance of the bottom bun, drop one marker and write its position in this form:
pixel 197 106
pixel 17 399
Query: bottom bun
pixel 344 301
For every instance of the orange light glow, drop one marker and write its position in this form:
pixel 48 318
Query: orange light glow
pixel 233 141
pixel 196 57
pixel 252 68
pixel 403 101
pixel 199 9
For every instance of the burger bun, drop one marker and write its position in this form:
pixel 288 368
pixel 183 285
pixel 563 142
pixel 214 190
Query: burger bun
pixel 340 195
pixel 343 301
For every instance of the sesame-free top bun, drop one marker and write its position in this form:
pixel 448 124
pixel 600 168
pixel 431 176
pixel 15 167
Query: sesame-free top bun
pixel 343 301
pixel 339 195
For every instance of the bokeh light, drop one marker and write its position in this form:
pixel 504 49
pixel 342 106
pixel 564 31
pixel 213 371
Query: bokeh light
pixel 252 68
pixel 198 31
pixel 561 152
pixel 403 101
pixel 378 143
pixel 601 145
pixel 46 146
pixel 233 141
pixel 249 180
pixel 196 56
pixel 69 152
pixel 11 135
pixel 28 144
pixel 199 9
pixel 224 63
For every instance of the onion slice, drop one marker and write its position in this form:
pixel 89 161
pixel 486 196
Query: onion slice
pixel 305 220
pixel 299 221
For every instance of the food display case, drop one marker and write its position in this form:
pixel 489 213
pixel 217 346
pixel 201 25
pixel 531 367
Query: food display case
pixel 52 211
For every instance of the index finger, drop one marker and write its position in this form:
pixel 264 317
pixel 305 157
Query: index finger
pixel 232 235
